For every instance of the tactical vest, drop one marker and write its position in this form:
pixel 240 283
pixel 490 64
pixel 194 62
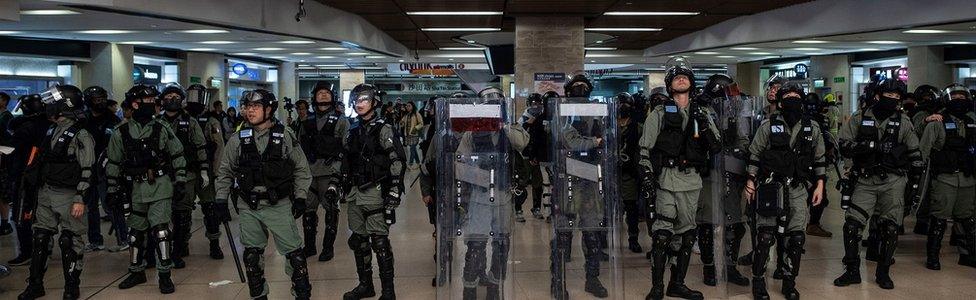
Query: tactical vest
pixel 143 159
pixel 958 152
pixel 889 155
pixel 184 133
pixel 371 164
pixel 781 159
pixel 676 146
pixel 322 144
pixel 271 169
pixel 211 146
pixel 59 169
pixel 538 142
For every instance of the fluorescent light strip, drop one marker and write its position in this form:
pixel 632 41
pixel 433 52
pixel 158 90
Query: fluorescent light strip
pixel 244 54
pixel 599 48
pixel 296 42
pixel 105 31
pixel 461 29
pixel 807 49
pixel 744 48
pixel 9 32
pixel 958 43
pixel 926 31
pixel 459 55
pixel 884 42
pixel 706 53
pixel 268 49
pixel 217 42
pixel 809 42
pixel 376 56
pixel 455 13
pixel 333 49
pixel 651 13
pixel 279 57
pixel 598 55
pixel 357 53
pixel 725 56
pixel 622 29
pixel 301 53
pixel 325 57
pixel 135 43
pixel 48 12
pixel 462 48
pixel 205 31
pixel 760 53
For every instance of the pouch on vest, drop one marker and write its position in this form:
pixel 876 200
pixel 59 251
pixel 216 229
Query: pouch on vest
pixel 769 199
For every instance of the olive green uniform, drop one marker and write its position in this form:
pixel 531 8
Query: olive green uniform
pixel 325 176
pixel 952 194
pixel 365 199
pixel 54 202
pixel 213 136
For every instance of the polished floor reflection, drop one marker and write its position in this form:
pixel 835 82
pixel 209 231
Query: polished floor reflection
pixel 413 248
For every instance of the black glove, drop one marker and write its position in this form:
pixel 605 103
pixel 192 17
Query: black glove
pixel 392 198
pixel 298 207
pixel 179 191
pixel 648 191
pixel 222 211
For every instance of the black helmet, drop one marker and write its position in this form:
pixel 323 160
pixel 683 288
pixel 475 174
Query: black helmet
pixel 774 80
pixel 674 72
pixel 717 86
pixel 141 91
pixel 30 105
pixel 535 98
pixel 788 88
pixel 175 104
pixel 323 85
pixel 64 100
pixel 363 92
pixel 94 92
pixel 925 92
pixel 892 86
pixel 624 98
pixel 550 94
pixel 491 93
pixel 262 96
pixel 578 86
pixel 956 88
pixel 813 104
pixel 658 99
pixel 196 93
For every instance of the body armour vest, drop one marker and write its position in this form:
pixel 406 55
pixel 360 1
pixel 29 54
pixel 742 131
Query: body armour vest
pixel 271 169
pixel 958 152
pixel 60 169
pixel 677 146
pixel 322 143
pixel 785 160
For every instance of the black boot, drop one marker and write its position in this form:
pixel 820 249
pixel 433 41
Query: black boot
pixel 137 255
pixel 70 263
pixel 852 260
pixel 361 248
pixel 310 221
pixel 166 285
pixel 967 249
pixel 934 243
pixel 133 279
pixel 733 239
pixel 299 275
pixel 215 251
pixel 558 258
pixel 592 252
pixel 634 245
pixel 889 241
pixel 475 263
pixel 182 221
pixel 677 287
pixel 659 252
pixel 212 227
pixel 794 252
pixel 384 262
pixel 329 234
pixel 707 247
pixel 469 293
pixel 42 249
pixel 493 292
pixel 765 237
pixel 500 246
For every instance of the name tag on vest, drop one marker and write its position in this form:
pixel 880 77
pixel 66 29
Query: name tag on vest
pixel 867 122
pixel 246 133
pixel 778 129
pixel 950 125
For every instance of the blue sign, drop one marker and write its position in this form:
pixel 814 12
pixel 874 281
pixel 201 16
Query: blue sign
pixel 800 69
pixel 239 69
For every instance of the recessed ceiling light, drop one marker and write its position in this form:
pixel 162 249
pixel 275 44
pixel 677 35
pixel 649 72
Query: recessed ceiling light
pixel 333 49
pixel 471 42
pixel 301 53
pixel 706 53
pixel 599 48
pixel 217 42
pixel 244 53
pixel 278 57
pixel 454 13
pixel 202 49
pixel 599 42
pixel 135 43
pixel 744 48
pixel 268 49
pixel 297 42
pixel 759 53
pixel 809 42
pixel 325 57
pixel 9 32
pixel 461 29
pixel 105 31
pixel 376 56
pixel 450 59
pixel 205 31
pixel 869 49
pixel 651 13
pixel 357 53
pixel 958 43
pixel 603 55
pixel 926 31
pixel 725 56
pixel 400 60
pixel 806 49
pixel 592 61
pixel 622 29
pixel 48 12
pixel 884 42
pixel 462 48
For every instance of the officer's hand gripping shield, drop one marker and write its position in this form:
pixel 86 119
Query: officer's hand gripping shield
pixel 474 201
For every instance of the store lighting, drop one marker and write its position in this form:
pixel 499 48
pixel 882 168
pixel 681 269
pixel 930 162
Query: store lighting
pixel 376 56
pixel 279 57
pixel 759 53
pixel 454 13
pixel 202 49
pixel 459 55
pixel 205 31
pixel 958 43
pixel 217 42
pixel 461 29
pixel 357 53
pixel 8 32
pixel 809 42
pixel 806 49
pixel 333 49
pixel 48 12
pixel 325 57
pixel 706 53
pixel 599 42
pixel 926 31
pixel 599 48
pixel 869 49
pixel 725 56
pixel 884 42
pixel 744 48
pixel 622 29
pixel 244 54
pixel 596 55
pixel 268 49
pixel 301 53
pixel 462 48
pixel 399 60
pixel 105 31
pixel 651 13
pixel 296 42
pixel 135 43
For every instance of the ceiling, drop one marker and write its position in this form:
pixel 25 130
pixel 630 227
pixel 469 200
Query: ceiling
pixel 391 16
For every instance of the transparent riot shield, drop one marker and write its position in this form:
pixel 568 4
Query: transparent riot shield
pixel 474 201
pixel 584 203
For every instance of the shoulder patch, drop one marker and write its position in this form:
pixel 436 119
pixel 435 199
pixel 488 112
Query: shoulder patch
pixel 950 125
pixel 246 133
pixel 777 128
pixel 670 108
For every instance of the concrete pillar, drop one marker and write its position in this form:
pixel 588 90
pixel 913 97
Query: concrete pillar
pixel 545 44
pixel 206 69
pixel 287 85
pixel 506 83
pixel 830 67
pixel 348 79
pixel 653 80
pixel 926 65
pixel 746 75
pixel 110 68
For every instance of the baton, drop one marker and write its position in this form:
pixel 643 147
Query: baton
pixel 233 250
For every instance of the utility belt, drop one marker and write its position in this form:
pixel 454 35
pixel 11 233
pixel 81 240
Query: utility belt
pixel 150 176
pixel 252 198
pixel 680 164
pixel 879 170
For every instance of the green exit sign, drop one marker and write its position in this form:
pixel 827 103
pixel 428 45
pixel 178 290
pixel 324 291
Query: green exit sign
pixel 194 79
pixel 839 79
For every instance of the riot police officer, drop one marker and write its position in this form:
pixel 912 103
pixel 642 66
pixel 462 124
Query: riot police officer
pixel 786 159
pixel 190 135
pixel 374 165
pixel 101 123
pixel 65 170
pixel 629 130
pixel 197 100
pixel 949 147
pixel 321 137
pixel 930 103
pixel 535 120
pixel 27 135
pixel 734 120
pixel 884 148
pixel 678 139
pixel 267 161
pixel 146 155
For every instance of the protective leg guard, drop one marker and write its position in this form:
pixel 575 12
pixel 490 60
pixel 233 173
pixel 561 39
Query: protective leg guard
pixel 765 237
pixel 591 253
pixel 254 270
pixel 360 246
pixel 933 244
pixel 852 260
pixel 212 226
pixel 778 273
pixel 873 241
pixel 967 251
pixel 137 256
pixel 474 262
pixel 299 274
pixel 384 260
pixel 889 241
pixel 659 257
pixel 42 249
pixel 71 263
pixel 677 287
pixel 164 245
pixel 733 239
pixel 794 252
pixel 707 246
pixel 560 246
pixel 310 221
pixel 329 234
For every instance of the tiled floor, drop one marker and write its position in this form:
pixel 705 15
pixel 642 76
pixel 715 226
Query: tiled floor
pixel 413 246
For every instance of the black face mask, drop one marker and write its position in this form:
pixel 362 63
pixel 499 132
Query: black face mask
pixel 886 104
pixel 195 109
pixel 792 108
pixel 910 106
pixel 625 111
pixel 173 106
pixel 53 110
pixel 144 113
pixel 959 107
pixel 100 107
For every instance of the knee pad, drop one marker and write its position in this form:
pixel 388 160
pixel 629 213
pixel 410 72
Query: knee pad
pixel 706 235
pixel 67 242
pixel 852 226
pixel 42 240
pixel 163 238
pixel 937 226
pixel 381 245
pixel 968 224
pixel 889 230
pixel 661 239
pixel 297 261
pixel 795 240
pixel 310 221
pixel 765 237
pixel 738 230
pixel 359 243
pixel 501 244
pixel 252 258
